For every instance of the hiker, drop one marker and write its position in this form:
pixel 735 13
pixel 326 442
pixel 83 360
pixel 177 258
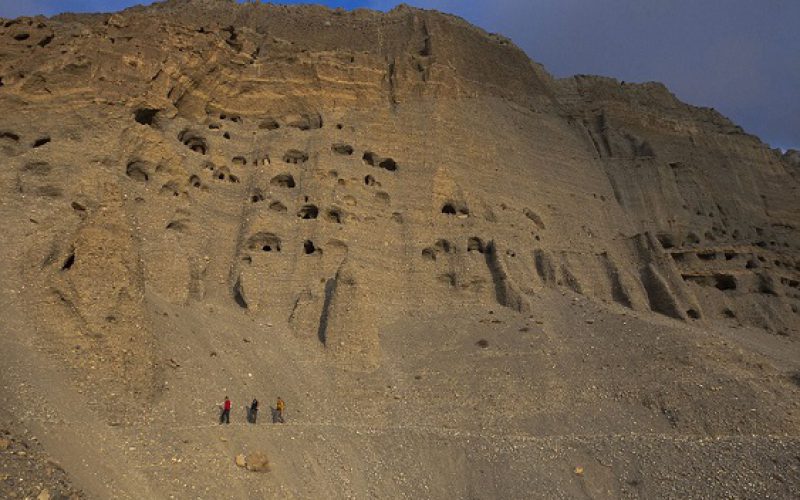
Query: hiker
pixel 253 411
pixel 225 416
pixel 277 415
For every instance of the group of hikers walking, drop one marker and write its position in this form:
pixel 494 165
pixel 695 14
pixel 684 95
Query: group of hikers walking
pixel 252 411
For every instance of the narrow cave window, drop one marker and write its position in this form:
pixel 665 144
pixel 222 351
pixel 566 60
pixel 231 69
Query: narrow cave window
pixel 238 296
pixel 69 262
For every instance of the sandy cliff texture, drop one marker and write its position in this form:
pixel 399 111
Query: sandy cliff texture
pixel 468 279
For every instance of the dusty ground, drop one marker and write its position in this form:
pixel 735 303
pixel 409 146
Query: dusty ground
pixel 28 472
pixel 465 278
pixel 642 409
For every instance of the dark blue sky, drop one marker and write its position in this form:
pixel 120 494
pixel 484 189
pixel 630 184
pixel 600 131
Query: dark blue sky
pixel 739 56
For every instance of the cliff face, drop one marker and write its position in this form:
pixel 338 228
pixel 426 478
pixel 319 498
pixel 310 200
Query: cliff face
pixel 721 204
pixel 328 185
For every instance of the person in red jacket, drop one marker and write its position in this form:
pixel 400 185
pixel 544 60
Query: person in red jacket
pixel 225 416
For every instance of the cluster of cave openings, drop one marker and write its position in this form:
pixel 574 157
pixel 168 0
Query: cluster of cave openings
pixel 283 180
pixel 223 173
pixel 444 246
pixel 266 242
pixel 308 212
pixel 374 160
pixel 452 208
pixel 193 141
pixel 295 156
pixel 791 283
pixel 233 118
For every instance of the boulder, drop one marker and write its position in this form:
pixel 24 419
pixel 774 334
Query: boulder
pixel 257 462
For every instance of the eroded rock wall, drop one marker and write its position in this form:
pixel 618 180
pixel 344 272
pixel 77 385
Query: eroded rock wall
pixel 333 170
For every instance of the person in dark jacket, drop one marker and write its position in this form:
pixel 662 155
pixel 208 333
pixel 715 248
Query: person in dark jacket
pixel 252 413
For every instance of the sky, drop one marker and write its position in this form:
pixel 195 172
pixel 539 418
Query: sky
pixel 741 57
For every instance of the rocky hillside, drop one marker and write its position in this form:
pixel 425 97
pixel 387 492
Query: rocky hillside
pixel 467 278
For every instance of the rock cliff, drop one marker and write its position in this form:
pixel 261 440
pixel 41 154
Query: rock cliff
pixel 201 196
